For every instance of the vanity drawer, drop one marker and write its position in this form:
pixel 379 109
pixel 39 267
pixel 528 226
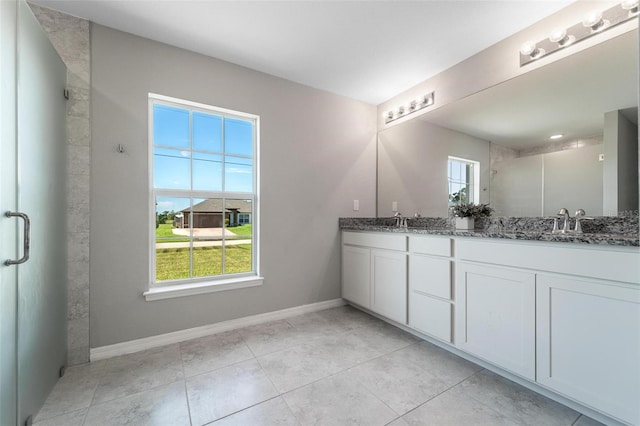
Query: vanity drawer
pixel 436 246
pixel 430 275
pixel 375 240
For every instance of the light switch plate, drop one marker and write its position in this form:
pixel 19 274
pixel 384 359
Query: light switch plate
pixel 356 205
pixel 394 206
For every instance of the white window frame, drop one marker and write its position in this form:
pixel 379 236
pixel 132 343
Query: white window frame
pixel 475 177
pixel 197 285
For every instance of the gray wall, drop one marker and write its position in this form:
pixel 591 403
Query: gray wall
pixel 516 186
pixel 573 179
pixel 627 165
pixel 620 164
pixel 317 155
pixel 412 167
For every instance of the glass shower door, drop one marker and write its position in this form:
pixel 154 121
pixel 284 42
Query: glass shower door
pixel 8 201
pixel 35 174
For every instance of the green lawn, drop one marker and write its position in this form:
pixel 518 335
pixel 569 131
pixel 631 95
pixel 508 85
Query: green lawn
pixel 165 235
pixel 173 264
pixel 241 230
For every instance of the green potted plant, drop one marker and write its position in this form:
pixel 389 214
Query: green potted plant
pixel 466 214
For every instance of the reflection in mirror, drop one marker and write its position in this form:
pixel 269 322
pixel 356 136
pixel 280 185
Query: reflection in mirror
pixel 589 97
pixel 413 167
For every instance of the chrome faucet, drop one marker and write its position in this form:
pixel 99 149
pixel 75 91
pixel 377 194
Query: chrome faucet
pixel 580 216
pixel 563 212
pixel 401 222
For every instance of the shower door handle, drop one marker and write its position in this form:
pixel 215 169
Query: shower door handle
pixel 27 241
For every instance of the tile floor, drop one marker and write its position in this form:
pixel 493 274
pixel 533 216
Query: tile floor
pixel 334 367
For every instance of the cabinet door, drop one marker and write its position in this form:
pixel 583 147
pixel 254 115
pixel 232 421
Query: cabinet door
pixel 389 289
pixel 495 316
pixel 430 315
pixel 588 344
pixel 356 275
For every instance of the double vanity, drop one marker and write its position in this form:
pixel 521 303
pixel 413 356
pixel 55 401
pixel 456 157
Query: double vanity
pixel 560 314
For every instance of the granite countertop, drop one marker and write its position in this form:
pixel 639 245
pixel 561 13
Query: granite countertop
pixel 440 228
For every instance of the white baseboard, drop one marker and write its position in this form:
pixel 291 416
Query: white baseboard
pixel 109 351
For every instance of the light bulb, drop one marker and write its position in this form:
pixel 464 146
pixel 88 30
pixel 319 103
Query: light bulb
pixel 593 20
pixel 529 48
pixel 559 35
pixel 631 5
pixel 556 136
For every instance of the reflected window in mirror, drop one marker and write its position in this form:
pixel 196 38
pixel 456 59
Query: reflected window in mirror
pixel 463 179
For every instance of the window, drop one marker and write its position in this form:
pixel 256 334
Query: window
pixel 204 193
pixel 244 218
pixel 463 177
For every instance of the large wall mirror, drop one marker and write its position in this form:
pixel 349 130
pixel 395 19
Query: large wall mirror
pixel 494 147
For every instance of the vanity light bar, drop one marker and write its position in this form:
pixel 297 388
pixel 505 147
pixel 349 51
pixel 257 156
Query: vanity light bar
pixel 593 23
pixel 413 106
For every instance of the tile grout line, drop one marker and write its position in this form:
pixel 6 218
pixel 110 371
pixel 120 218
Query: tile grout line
pixel 241 410
pixel 103 372
pixel 184 382
pixel 186 396
pixel 445 391
pixel 344 369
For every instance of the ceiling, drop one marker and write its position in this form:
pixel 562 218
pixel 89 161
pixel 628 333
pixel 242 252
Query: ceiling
pixel 367 50
pixel 569 96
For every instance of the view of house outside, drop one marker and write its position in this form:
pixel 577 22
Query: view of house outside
pixel 204 193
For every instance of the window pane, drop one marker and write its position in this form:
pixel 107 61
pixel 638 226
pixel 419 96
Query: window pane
pixel 238 174
pixel 203 153
pixel 170 126
pixel 172 238
pixel 207 132
pixel 208 220
pixel 238 137
pixel 207 171
pixel 171 169
pixel 238 244
pixel 455 171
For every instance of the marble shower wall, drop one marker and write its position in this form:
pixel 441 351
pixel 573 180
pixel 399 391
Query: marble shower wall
pixel 71 38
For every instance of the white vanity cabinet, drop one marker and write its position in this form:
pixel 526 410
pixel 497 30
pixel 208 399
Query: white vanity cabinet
pixel 565 317
pixel 389 284
pixel 374 272
pixel 588 342
pixel 562 315
pixel 356 275
pixel 430 304
pixel 495 316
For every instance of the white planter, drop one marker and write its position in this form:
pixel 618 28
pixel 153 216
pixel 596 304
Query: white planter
pixel 464 223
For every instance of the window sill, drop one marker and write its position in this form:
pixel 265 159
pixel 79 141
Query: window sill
pixel 171 291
